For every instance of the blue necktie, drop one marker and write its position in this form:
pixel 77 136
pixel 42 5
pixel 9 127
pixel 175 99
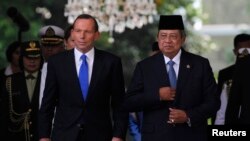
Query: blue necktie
pixel 83 76
pixel 171 74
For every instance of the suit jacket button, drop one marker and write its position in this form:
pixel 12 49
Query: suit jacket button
pixel 79 125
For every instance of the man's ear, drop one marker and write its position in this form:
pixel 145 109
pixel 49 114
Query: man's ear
pixel 235 51
pixel 97 35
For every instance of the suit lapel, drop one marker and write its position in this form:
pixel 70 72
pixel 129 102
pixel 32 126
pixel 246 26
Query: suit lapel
pixel 184 72
pixel 71 67
pixel 161 70
pixel 96 71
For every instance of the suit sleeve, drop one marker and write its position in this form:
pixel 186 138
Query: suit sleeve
pixel 120 117
pixel 136 98
pixel 210 100
pixel 46 112
pixel 234 99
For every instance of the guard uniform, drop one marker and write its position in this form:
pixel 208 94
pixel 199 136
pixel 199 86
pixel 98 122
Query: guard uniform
pixel 22 103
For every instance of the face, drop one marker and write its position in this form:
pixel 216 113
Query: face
pixel 31 64
pixel 69 43
pixel 51 50
pixel 84 34
pixel 245 44
pixel 170 42
pixel 15 57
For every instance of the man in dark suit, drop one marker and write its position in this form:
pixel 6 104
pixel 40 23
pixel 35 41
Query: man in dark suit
pixel 83 113
pixel 174 109
pixel 135 118
pixel 225 79
pixel 21 95
pixel 238 107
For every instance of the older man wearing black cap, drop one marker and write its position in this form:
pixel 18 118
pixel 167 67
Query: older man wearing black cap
pixel 175 89
pixel 22 95
pixel 52 42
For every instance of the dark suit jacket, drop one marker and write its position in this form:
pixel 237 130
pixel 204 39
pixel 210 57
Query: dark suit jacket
pixel 21 105
pixel 196 94
pixel 3 104
pixel 224 76
pixel 240 94
pixel 62 90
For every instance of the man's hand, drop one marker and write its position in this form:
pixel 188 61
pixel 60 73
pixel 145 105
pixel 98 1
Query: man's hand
pixel 177 116
pixel 45 139
pixel 116 139
pixel 167 93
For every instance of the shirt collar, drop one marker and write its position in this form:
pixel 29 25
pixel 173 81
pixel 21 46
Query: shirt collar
pixel 176 59
pixel 89 54
pixel 8 70
pixel 35 74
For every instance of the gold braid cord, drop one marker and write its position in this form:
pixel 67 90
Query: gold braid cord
pixel 21 119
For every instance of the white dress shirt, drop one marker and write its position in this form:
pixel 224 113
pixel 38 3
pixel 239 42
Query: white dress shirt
pixel 42 83
pixel 8 70
pixel 176 60
pixel 220 116
pixel 90 61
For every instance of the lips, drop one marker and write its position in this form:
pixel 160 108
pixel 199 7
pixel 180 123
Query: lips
pixel 168 46
pixel 32 66
pixel 82 43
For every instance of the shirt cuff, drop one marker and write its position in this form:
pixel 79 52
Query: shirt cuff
pixel 189 122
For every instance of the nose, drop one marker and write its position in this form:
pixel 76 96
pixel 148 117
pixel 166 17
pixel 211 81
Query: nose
pixel 167 39
pixel 82 35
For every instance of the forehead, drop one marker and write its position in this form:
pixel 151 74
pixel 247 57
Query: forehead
pixel 82 23
pixel 169 32
pixel 31 58
pixel 244 44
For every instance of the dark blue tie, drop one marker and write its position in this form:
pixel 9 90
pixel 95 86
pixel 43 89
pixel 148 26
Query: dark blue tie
pixel 83 76
pixel 171 74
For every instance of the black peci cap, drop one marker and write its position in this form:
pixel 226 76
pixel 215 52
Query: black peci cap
pixel 171 22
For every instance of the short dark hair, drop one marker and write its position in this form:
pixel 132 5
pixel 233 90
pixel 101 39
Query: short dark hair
pixel 87 16
pixel 241 38
pixel 11 49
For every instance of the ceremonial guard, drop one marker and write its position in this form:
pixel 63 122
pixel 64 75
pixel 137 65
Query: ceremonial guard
pixel 22 95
